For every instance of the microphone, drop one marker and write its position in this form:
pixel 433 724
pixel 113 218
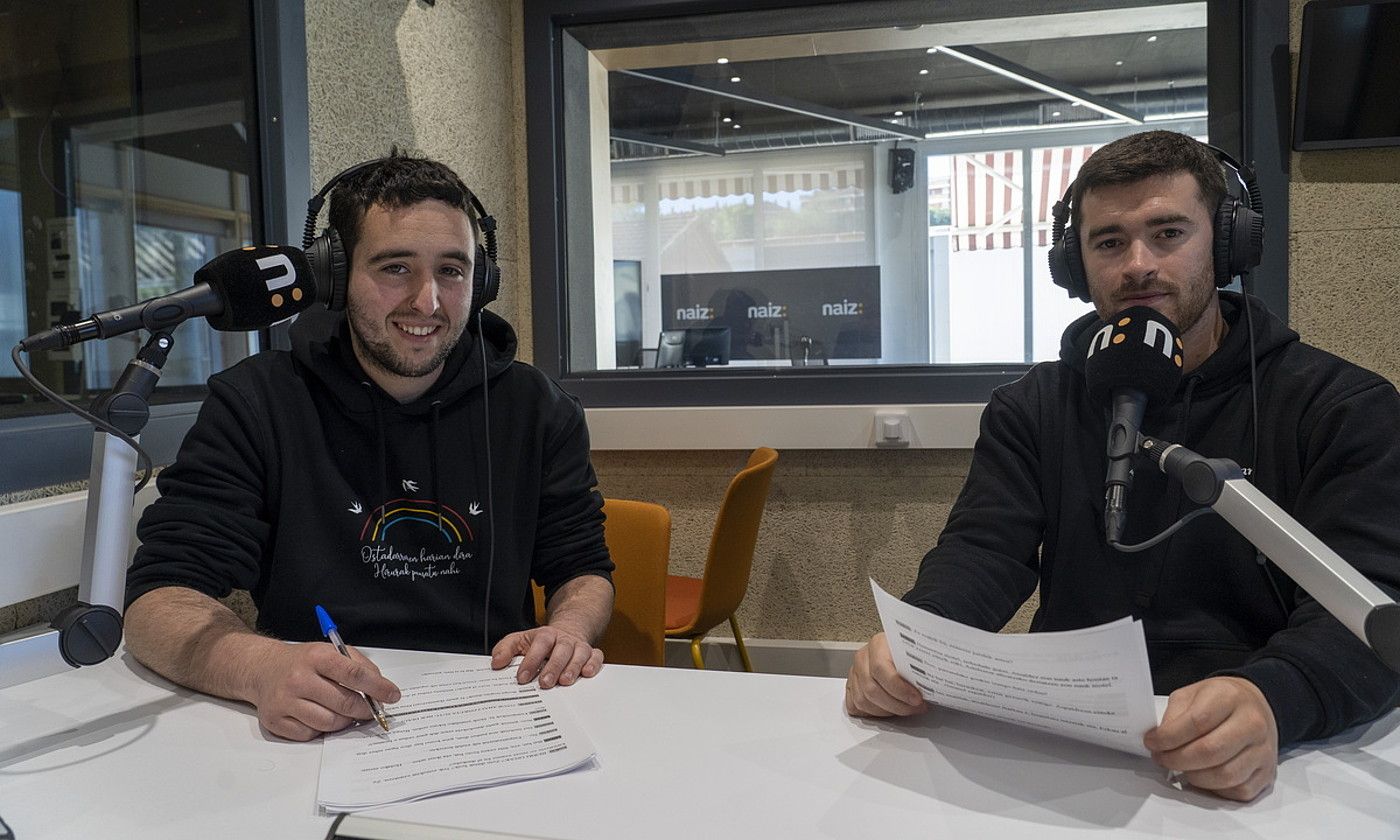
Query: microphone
pixel 246 289
pixel 1135 363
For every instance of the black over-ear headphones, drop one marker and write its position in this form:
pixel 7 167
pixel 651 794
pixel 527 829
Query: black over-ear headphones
pixel 1238 234
pixel 329 262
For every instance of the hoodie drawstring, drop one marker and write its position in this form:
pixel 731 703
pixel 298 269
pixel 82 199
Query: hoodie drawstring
pixel 379 447
pixel 433 460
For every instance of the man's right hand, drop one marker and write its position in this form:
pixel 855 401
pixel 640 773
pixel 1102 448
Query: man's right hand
pixel 875 689
pixel 304 690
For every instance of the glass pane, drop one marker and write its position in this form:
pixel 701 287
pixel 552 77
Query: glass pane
pixel 852 197
pixel 980 278
pixel 123 168
pixel 1054 169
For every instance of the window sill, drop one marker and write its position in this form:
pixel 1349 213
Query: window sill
pixel 942 426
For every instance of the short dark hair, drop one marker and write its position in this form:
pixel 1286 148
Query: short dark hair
pixel 394 182
pixel 1149 154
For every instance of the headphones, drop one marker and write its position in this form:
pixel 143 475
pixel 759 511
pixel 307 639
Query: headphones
pixel 1237 243
pixel 330 265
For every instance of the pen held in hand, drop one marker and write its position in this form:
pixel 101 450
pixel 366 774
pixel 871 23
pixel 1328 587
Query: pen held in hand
pixel 329 631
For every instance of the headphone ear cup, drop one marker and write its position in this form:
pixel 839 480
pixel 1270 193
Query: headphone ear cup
pixel 1067 266
pixel 1223 241
pixel 1247 240
pixel 329 268
pixel 486 279
pixel 1239 240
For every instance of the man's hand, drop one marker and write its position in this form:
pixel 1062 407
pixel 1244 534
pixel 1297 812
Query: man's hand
pixel 875 689
pixel 1220 733
pixel 554 654
pixel 303 690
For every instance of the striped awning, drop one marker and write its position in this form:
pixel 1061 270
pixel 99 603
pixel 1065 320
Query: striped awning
pixel 987 195
pixel 839 176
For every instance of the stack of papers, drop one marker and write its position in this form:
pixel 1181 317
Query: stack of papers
pixel 1092 685
pixel 456 727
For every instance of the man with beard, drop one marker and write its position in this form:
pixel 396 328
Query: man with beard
pixel 398 466
pixel 1251 662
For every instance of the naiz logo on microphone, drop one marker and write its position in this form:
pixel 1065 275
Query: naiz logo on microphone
pixel 279 273
pixel 1152 334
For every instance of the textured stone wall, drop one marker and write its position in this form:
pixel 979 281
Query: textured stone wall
pixel 1344 247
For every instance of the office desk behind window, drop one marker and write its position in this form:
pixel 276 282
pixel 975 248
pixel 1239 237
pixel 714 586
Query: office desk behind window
pixel 116 752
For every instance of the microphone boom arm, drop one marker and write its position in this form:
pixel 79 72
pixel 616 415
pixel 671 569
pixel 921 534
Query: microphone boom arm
pixel 90 631
pixel 1360 605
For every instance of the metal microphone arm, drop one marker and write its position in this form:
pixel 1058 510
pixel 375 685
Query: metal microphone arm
pixel 1360 605
pixel 91 630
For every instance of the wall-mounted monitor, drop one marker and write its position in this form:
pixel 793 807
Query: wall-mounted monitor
pixel 1348 75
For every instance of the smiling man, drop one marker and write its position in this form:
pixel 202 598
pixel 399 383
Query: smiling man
pixel 398 467
pixel 1250 661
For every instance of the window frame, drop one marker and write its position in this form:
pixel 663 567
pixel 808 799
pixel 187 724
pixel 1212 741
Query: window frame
pixel 1247 95
pixel 49 449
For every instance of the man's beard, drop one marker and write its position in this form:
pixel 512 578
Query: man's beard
pixel 381 353
pixel 1194 304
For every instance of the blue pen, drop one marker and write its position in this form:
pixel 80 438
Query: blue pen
pixel 328 630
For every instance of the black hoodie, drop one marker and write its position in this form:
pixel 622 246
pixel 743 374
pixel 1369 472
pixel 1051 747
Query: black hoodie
pixel 1329 453
pixel 305 483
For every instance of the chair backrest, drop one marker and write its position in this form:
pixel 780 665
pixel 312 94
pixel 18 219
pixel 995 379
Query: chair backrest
pixel 639 539
pixel 730 559
pixel 638 535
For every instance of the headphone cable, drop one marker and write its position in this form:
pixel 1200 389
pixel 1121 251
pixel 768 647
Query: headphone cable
pixel 1246 284
pixel 144 457
pixel 490 490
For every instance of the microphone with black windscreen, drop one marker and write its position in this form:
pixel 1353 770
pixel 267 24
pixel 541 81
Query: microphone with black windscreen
pixel 247 289
pixel 1134 363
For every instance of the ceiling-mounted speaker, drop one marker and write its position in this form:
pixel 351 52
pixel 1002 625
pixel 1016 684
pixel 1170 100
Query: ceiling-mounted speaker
pixel 901 170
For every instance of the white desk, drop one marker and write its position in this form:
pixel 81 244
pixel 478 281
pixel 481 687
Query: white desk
pixel 116 752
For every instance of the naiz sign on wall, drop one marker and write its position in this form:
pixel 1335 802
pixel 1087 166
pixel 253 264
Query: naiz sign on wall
pixel 833 313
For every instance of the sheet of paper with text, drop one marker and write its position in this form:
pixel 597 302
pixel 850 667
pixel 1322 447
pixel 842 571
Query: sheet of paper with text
pixel 1092 685
pixel 457 727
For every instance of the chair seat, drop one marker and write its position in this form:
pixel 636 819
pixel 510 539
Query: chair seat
pixel 682 602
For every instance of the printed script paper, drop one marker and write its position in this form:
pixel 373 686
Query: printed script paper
pixel 458 726
pixel 1092 685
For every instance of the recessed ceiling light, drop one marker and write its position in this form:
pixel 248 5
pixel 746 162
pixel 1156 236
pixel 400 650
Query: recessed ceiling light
pixel 923 72
pixel 727 119
pixel 899 113
pixel 1117 64
pixel 1151 38
pixel 721 61
pixel 735 79
pixel 1054 113
pixel 1075 104
pixel 736 125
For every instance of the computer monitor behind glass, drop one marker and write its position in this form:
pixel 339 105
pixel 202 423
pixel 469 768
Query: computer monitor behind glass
pixel 695 346
pixel 706 346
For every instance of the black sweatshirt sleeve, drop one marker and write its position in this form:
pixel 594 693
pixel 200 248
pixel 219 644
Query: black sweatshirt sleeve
pixel 208 530
pixel 569 536
pixel 985 564
pixel 1317 676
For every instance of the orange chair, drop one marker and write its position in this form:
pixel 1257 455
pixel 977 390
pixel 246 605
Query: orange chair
pixel 638 535
pixel 695 606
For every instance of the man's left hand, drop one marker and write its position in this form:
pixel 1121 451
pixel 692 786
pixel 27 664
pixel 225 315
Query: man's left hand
pixel 553 654
pixel 1221 735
